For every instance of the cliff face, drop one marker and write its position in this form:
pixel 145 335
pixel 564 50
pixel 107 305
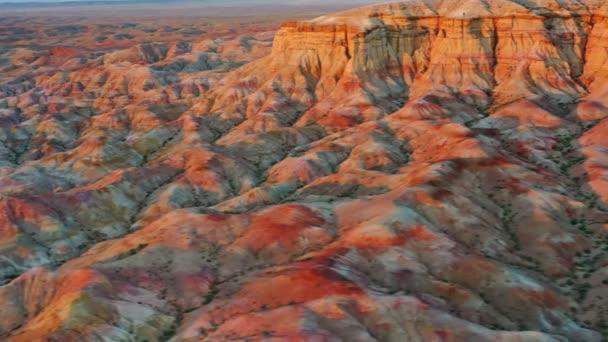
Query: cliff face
pixel 480 53
pixel 424 170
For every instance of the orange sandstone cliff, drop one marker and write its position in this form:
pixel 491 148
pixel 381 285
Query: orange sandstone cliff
pixel 421 170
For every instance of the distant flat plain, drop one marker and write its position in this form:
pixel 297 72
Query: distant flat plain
pixel 107 26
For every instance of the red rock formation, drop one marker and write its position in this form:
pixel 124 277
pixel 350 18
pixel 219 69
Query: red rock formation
pixel 424 170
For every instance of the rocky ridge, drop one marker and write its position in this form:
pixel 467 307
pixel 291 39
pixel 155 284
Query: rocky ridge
pixel 417 170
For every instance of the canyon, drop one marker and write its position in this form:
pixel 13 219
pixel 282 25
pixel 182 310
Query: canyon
pixel 422 170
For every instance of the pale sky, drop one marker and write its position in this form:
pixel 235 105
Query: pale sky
pixel 209 1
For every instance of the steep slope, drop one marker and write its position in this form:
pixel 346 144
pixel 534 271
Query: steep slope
pixel 421 170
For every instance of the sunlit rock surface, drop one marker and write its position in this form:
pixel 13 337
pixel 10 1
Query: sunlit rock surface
pixel 415 171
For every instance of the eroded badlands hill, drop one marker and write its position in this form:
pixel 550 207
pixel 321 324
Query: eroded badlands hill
pixel 417 171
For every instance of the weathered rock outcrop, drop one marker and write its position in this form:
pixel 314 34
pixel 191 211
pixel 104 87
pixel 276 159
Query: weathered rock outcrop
pixel 424 170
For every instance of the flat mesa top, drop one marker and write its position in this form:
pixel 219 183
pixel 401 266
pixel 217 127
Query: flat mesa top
pixel 464 9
